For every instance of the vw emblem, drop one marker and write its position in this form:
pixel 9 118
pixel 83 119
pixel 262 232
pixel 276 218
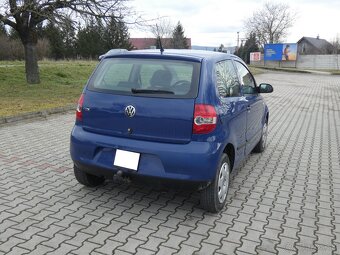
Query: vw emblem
pixel 130 111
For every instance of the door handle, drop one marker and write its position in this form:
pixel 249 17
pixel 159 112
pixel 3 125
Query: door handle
pixel 248 108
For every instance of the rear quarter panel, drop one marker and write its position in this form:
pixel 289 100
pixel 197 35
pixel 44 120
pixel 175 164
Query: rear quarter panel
pixel 230 127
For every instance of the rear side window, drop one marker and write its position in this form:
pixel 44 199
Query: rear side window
pixel 152 77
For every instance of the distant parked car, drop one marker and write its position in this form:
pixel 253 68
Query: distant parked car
pixel 183 115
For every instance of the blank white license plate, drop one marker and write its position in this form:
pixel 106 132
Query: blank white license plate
pixel 127 159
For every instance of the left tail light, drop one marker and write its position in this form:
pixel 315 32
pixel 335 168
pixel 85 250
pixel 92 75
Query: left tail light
pixel 79 111
pixel 205 119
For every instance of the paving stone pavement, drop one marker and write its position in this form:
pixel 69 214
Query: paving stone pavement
pixel 283 201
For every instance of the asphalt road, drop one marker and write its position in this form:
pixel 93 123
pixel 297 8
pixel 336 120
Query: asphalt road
pixel 283 201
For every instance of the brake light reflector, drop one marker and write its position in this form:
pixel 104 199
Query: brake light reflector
pixel 205 119
pixel 79 111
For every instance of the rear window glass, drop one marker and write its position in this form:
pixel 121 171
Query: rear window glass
pixel 151 77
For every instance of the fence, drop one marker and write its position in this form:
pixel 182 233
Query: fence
pixel 331 62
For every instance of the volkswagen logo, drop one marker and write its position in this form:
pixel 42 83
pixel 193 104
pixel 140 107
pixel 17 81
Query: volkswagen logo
pixel 130 111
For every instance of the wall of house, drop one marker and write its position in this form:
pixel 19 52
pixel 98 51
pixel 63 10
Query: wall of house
pixel 305 47
pixel 331 62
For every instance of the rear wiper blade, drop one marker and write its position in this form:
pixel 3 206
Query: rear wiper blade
pixel 151 91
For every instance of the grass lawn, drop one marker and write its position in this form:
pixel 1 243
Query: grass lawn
pixel 255 70
pixel 61 85
pixel 332 71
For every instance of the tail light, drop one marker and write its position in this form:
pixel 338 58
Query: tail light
pixel 205 119
pixel 79 111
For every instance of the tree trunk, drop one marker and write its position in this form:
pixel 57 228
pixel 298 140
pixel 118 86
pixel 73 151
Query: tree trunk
pixel 31 63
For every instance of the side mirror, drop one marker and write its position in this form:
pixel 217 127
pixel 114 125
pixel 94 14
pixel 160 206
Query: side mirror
pixel 265 88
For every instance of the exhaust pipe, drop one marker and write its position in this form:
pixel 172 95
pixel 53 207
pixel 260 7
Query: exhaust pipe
pixel 120 178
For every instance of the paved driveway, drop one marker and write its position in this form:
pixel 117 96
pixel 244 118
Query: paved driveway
pixel 285 200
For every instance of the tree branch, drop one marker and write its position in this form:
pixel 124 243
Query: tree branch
pixel 8 22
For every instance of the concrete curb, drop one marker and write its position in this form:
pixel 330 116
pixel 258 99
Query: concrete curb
pixel 282 69
pixel 294 70
pixel 37 114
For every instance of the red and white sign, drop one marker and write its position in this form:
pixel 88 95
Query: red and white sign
pixel 255 56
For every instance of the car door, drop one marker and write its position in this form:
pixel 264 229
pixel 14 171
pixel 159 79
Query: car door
pixel 232 110
pixel 255 106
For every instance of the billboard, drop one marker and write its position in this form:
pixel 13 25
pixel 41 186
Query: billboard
pixel 255 56
pixel 280 52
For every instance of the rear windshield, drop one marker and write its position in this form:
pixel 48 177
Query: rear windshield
pixel 147 77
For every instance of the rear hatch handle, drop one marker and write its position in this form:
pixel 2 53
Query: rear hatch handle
pixel 151 91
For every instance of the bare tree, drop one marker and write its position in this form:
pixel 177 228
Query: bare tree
pixel 162 28
pixel 24 16
pixel 336 44
pixel 271 23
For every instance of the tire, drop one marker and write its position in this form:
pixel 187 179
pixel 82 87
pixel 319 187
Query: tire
pixel 214 197
pixel 86 179
pixel 262 144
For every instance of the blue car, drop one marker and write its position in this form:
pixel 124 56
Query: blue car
pixel 179 115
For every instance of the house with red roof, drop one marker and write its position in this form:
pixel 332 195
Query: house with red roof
pixel 150 43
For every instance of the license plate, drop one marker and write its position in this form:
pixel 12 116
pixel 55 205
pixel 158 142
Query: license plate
pixel 127 159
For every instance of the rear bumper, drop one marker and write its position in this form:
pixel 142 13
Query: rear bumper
pixel 195 161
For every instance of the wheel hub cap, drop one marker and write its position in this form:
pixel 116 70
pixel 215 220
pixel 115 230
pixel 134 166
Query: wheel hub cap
pixel 223 182
pixel 264 134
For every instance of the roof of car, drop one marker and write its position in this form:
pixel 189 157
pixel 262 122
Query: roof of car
pixel 197 54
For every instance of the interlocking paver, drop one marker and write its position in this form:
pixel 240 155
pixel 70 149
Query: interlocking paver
pixel 285 200
pixel 285 252
pixel 141 251
pixel 324 249
pixel 305 250
pixel 194 240
pixel 166 250
pixel 8 233
pixel 108 247
pixel 186 249
pixel 173 241
pixel 56 241
pixel 131 245
pixel 162 232
pixel 248 247
pixel 287 243
pixel 50 231
pixel 78 239
pixel 33 242
pixel 153 243
pixel 17 251
pixel 86 248
pixel 10 243
pixel 268 245
pixel 228 248
pixel 207 248
pixel 7 224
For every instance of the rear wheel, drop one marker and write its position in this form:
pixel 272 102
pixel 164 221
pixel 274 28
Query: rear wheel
pixel 86 179
pixel 261 146
pixel 214 197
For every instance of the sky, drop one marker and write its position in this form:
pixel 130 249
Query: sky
pixel 216 22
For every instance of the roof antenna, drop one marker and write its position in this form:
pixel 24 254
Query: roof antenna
pixel 160 41
pixel 161 46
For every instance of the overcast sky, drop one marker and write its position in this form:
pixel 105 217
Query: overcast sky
pixel 212 22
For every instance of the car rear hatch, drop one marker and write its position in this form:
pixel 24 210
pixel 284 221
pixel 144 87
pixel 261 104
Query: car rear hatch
pixel 148 99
